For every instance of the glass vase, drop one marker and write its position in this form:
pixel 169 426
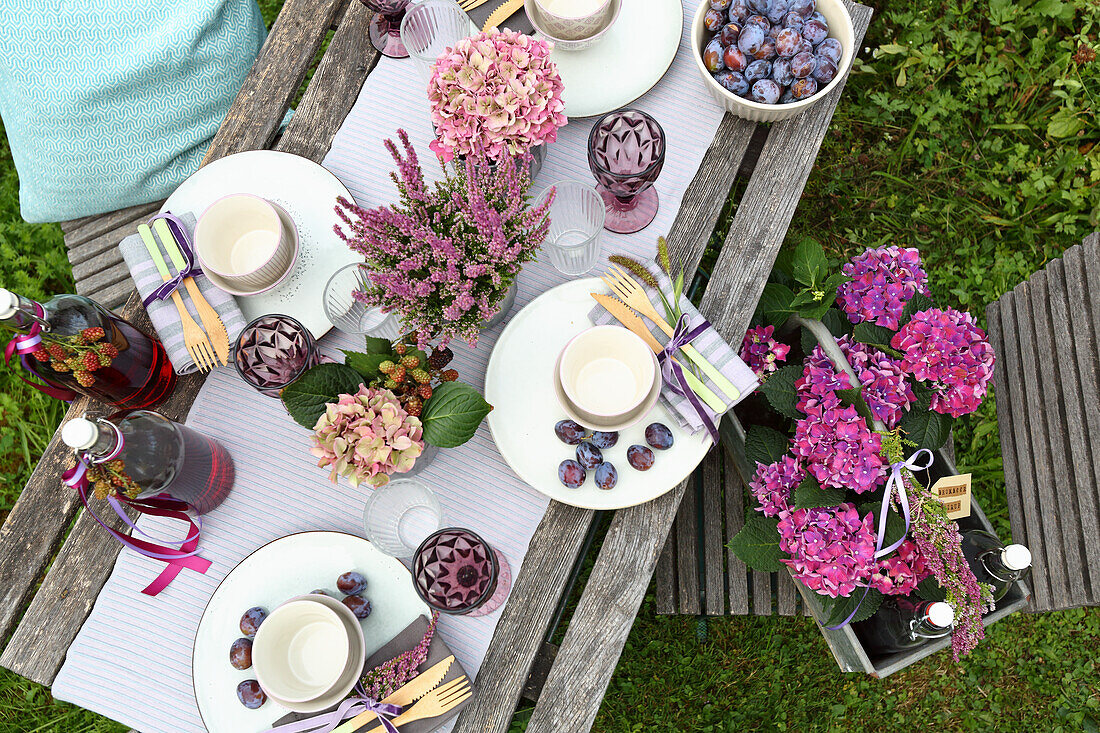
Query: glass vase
pixel 505 306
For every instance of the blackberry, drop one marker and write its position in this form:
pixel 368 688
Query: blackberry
pixel 425 391
pixel 412 361
pixel 107 350
pixel 398 374
pixel 57 351
pixel 390 384
pixel 92 334
pixel 449 376
pixel 90 361
pixel 413 406
pixel 420 376
pixel 85 379
pixel 400 349
pixel 440 358
pixel 41 354
pixel 386 367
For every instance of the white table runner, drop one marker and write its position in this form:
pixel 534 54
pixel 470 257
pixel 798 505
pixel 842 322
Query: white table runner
pixel 131 660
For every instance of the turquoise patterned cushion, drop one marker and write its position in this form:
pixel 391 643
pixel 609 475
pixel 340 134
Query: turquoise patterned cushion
pixel 111 103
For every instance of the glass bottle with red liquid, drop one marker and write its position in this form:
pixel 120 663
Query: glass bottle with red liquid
pixel 90 350
pixel 162 457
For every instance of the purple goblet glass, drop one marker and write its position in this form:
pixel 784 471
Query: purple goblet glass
pixel 273 351
pixel 385 27
pixel 626 151
pixel 457 572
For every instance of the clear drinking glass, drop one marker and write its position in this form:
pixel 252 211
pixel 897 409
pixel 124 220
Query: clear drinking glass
pixel 626 151
pixel 353 316
pixel 431 27
pixel 273 351
pixel 576 222
pixel 385 27
pixel 457 572
pixel 399 515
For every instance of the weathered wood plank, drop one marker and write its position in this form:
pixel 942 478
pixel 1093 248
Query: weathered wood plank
pixel 714 576
pixel 606 612
pixel 1046 507
pixel 1017 405
pixel 762 593
pixel 109 258
pixel 737 573
pixel 667 601
pixel 113 296
pixel 79 252
pixel 78 231
pixel 1080 515
pixel 785 594
pixel 686 530
pixel 101 281
pixel 1053 425
pixel 1009 454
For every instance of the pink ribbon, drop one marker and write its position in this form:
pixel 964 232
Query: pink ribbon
pixel 177 559
pixel 25 344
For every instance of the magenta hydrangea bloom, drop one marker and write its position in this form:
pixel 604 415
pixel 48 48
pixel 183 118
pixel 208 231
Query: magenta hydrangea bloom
pixel 816 388
pixel 832 548
pixel 839 450
pixel 773 483
pixel 883 281
pixel 761 351
pixel 900 573
pixel 885 387
pixel 948 350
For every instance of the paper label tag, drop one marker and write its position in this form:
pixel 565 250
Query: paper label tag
pixel 954 493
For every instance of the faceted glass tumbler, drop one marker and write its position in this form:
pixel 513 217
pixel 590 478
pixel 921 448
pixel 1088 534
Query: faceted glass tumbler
pixel 626 151
pixel 430 28
pixel 457 572
pixel 385 27
pixel 350 315
pixel 576 222
pixel 399 515
pixel 273 351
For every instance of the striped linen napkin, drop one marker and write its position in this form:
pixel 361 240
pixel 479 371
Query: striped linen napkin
pixel 709 343
pixel 163 313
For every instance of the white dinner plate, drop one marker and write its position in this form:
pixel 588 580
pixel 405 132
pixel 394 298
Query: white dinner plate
pixel 627 63
pixel 290 566
pixel 308 193
pixel 519 384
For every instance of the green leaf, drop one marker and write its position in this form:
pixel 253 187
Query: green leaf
pixel 776 304
pixel 306 397
pixel 809 262
pixel 927 428
pixel 765 445
pixel 816 310
pixel 930 589
pixel 810 495
pixel 919 302
pixel 376 345
pixel 453 413
pixel 869 333
pixel 854 397
pixel 833 282
pixel 757 544
pixel 366 364
pixel 1064 124
pixel 844 606
pixel 779 389
pixel 836 322
pixel 678 287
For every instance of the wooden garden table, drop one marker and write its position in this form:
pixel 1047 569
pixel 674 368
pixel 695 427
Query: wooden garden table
pixel 567 682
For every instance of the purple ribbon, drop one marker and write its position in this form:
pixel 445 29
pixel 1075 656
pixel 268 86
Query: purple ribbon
pixel 349 708
pixel 896 481
pixel 23 344
pixel 673 373
pixel 190 269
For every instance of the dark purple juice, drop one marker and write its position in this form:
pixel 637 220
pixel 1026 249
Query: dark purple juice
pixel 206 473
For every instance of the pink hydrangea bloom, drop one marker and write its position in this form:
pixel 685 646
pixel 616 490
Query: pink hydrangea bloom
pixel 832 549
pixel 883 281
pixel 948 350
pixel 761 351
pixel 839 450
pixel 900 573
pixel 773 483
pixel 817 386
pixel 885 388
pixel 495 93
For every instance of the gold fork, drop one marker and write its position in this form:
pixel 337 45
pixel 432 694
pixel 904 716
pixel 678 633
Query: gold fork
pixel 469 5
pixel 437 702
pixel 633 295
pixel 193 338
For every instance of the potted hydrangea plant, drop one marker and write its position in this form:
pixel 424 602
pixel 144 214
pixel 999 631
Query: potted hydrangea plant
pixel 496 94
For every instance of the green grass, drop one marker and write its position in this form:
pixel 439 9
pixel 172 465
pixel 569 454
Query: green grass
pixel 971 132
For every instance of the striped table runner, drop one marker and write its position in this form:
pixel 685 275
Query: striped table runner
pixel 132 659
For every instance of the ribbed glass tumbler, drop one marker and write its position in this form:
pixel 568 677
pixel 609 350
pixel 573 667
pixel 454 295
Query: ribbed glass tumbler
pixel 576 223
pixel 431 27
pixel 399 515
pixel 353 316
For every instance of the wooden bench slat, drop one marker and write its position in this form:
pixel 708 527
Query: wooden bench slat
pixel 714 576
pixel 102 262
pixel 762 593
pixel 667 599
pixel 737 573
pixel 1004 426
pixel 79 252
pixel 1052 423
pixel 686 531
pixel 1080 517
pixel 785 594
pixel 79 231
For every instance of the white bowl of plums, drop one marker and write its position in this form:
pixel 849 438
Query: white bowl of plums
pixel 768 60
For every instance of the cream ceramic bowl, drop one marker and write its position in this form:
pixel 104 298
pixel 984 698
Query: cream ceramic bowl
pixel 840 28
pixel 561 44
pixel 593 422
pixel 607 376
pixel 574 20
pixel 244 240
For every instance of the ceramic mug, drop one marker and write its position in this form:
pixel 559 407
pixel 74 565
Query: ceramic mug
pixel 573 20
pixel 607 372
pixel 246 242
pixel 302 651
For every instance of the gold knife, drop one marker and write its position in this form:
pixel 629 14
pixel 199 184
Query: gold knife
pixel 503 12
pixel 407 694
pixel 634 323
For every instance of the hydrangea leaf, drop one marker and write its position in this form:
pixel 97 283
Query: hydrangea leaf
pixel 854 397
pixel 765 445
pixel 366 364
pixel 452 415
pixel 779 389
pixel 930 589
pixel 836 322
pixel 895 523
pixel 927 428
pixel 809 262
pixel 919 302
pixel 810 495
pixel 776 304
pixel 757 544
pixel 306 397
pixel 867 605
pixel 872 335
pixel 376 345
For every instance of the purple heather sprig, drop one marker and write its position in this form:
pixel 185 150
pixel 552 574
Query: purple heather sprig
pixel 386 678
pixel 947 349
pixel 444 257
pixel 883 281
pixel 773 483
pixel 761 351
pixel 839 450
pixel 832 548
